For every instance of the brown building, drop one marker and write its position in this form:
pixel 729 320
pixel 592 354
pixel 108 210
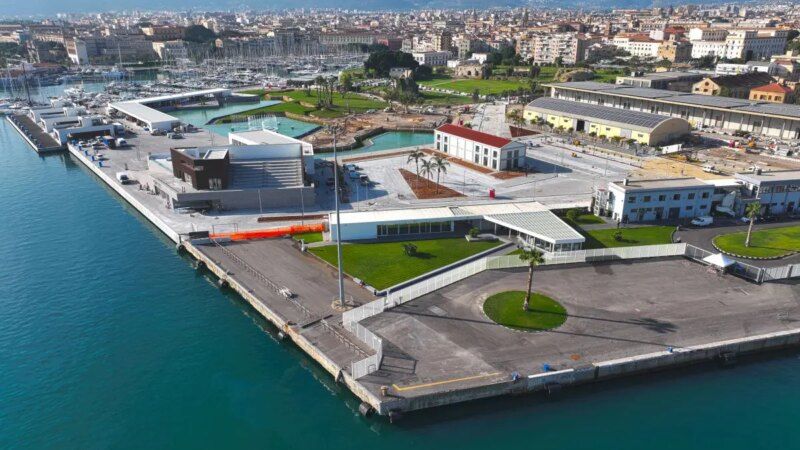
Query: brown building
pixel 204 168
pixel 772 93
pixel 736 86
pixel 675 51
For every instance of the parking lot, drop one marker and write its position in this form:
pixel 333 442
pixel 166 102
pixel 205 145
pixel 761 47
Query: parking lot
pixel 615 310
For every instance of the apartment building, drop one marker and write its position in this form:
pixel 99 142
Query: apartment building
pixel 737 44
pixel 543 48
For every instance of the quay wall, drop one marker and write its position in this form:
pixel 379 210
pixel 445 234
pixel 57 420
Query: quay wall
pixel 590 373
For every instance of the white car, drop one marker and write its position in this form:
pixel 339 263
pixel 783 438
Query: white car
pixel 702 221
pixel 123 178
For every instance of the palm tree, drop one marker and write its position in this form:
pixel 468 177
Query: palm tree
pixel 441 166
pixel 415 156
pixel 752 210
pixel 533 257
pixel 428 167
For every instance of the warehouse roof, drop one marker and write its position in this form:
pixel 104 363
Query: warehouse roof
pixel 632 119
pixel 143 112
pixel 474 135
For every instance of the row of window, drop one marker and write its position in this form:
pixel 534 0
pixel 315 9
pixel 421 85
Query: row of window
pixel 414 228
pixel 663 197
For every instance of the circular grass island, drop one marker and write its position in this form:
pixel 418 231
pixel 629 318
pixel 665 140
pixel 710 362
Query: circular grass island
pixel 544 313
pixel 767 243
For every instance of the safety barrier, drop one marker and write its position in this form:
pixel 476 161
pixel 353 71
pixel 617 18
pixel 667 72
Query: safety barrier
pixel 782 272
pixel 371 363
pixel 270 232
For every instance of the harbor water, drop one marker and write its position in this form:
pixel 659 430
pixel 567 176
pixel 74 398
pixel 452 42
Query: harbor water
pixel 109 339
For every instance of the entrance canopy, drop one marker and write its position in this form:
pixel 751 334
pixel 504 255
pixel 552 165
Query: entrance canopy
pixel 719 260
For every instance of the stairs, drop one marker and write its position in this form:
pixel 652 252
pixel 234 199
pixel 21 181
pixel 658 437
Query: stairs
pixel 273 173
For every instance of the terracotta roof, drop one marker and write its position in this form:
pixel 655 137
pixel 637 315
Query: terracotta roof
pixel 473 135
pixel 774 88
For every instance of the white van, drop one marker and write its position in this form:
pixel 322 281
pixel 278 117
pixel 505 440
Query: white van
pixel 123 178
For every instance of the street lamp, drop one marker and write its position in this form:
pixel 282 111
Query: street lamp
pixel 334 130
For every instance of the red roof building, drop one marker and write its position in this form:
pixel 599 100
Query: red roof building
pixel 773 93
pixel 480 148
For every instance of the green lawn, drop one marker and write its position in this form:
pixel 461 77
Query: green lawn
pixel 485 87
pixel 385 264
pixel 769 243
pixel 543 313
pixel 355 102
pixel 583 219
pixel 439 98
pixel 648 235
pixel 309 238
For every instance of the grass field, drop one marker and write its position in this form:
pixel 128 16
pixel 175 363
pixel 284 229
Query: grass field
pixel 438 98
pixel 648 235
pixel 485 87
pixel 342 104
pixel 353 101
pixel 582 219
pixel 543 313
pixel 769 243
pixel 385 264
pixel 309 238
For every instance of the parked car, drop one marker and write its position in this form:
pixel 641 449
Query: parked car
pixel 702 221
pixel 123 178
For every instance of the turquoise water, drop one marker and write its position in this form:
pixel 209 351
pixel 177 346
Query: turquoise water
pixel 108 339
pixel 199 118
pixel 392 139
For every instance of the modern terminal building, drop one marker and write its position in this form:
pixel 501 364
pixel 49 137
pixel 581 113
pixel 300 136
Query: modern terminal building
pixel 701 111
pixel 531 223
pixel 604 121
pixel 477 147
pixel 236 176
pixel 651 200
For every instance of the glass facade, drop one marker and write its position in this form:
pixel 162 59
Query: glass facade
pixel 400 229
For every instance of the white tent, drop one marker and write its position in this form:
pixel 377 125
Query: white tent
pixel 719 260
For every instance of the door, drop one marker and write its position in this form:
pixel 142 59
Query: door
pixel 674 213
pixel 580 125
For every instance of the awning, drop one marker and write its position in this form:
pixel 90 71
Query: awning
pixel 719 260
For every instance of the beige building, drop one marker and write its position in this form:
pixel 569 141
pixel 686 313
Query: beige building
pixel 772 93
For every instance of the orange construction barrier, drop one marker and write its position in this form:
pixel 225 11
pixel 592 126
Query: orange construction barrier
pixel 270 232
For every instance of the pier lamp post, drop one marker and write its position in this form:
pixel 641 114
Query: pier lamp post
pixel 335 129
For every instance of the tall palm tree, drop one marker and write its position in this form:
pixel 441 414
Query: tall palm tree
pixel 441 166
pixel 415 156
pixel 428 167
pixel 533 257
pixel 752 210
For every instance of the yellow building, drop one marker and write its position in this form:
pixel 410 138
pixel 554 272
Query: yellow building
pixel 608 122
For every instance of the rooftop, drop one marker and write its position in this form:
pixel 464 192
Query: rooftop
pixel 474 135
pixel 635 119
pixel 659 184
pixel 765 177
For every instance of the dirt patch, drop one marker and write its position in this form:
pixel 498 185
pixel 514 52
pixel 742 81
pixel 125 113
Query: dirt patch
pixel 508 174
pixel 424 188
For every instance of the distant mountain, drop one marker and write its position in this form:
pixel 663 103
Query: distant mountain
pixel 51 7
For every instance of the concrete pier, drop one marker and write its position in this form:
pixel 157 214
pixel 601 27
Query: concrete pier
pixel 46 143
pixel 440 350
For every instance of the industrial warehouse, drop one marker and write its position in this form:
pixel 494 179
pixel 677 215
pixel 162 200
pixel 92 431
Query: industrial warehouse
pixel 701 111
pixel 645 128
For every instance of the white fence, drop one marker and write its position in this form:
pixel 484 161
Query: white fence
pixel 371 363
pixel 782 273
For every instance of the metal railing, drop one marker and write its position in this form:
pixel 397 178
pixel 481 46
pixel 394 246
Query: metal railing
pixel 782 272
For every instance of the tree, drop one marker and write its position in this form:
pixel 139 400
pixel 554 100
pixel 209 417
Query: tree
pixel 427 169
pixel 346 82
pixel 380 62
pixel 415 156
pixel 751 212
pixel 423 73
pixel 198 33
pixel 440 164
pixel 573 214
pixel 533 257
pixel 476 95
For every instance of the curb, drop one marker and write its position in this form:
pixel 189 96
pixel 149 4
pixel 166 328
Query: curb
pixel 758 258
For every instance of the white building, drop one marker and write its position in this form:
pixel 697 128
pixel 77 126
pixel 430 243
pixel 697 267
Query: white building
pixel 778 191
pixel 432 59
pixel 651 200
pixel 638 46
pixel 530 222
pixel 480 148
pixel 301 149
pixel 737 44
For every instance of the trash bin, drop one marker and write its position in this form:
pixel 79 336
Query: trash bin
pixel 491 193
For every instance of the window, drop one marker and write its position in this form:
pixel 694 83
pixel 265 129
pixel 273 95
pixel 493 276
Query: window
pixel 632 199
pixel 703 206
pixel 646 198
pixel 705 194
pixel 662 197
pixel 691 196
pixel 676 197
pixel 689 208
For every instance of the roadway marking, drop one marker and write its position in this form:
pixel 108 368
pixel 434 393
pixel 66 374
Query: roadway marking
pixel 438 383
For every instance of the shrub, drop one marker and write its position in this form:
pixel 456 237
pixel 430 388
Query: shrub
pixel 409 249
pixel 618 235
pixel 573 214
pixel 474 231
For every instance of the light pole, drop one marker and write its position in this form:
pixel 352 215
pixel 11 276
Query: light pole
pixel 334 130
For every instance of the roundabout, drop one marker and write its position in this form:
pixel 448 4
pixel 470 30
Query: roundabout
pixel 544 313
